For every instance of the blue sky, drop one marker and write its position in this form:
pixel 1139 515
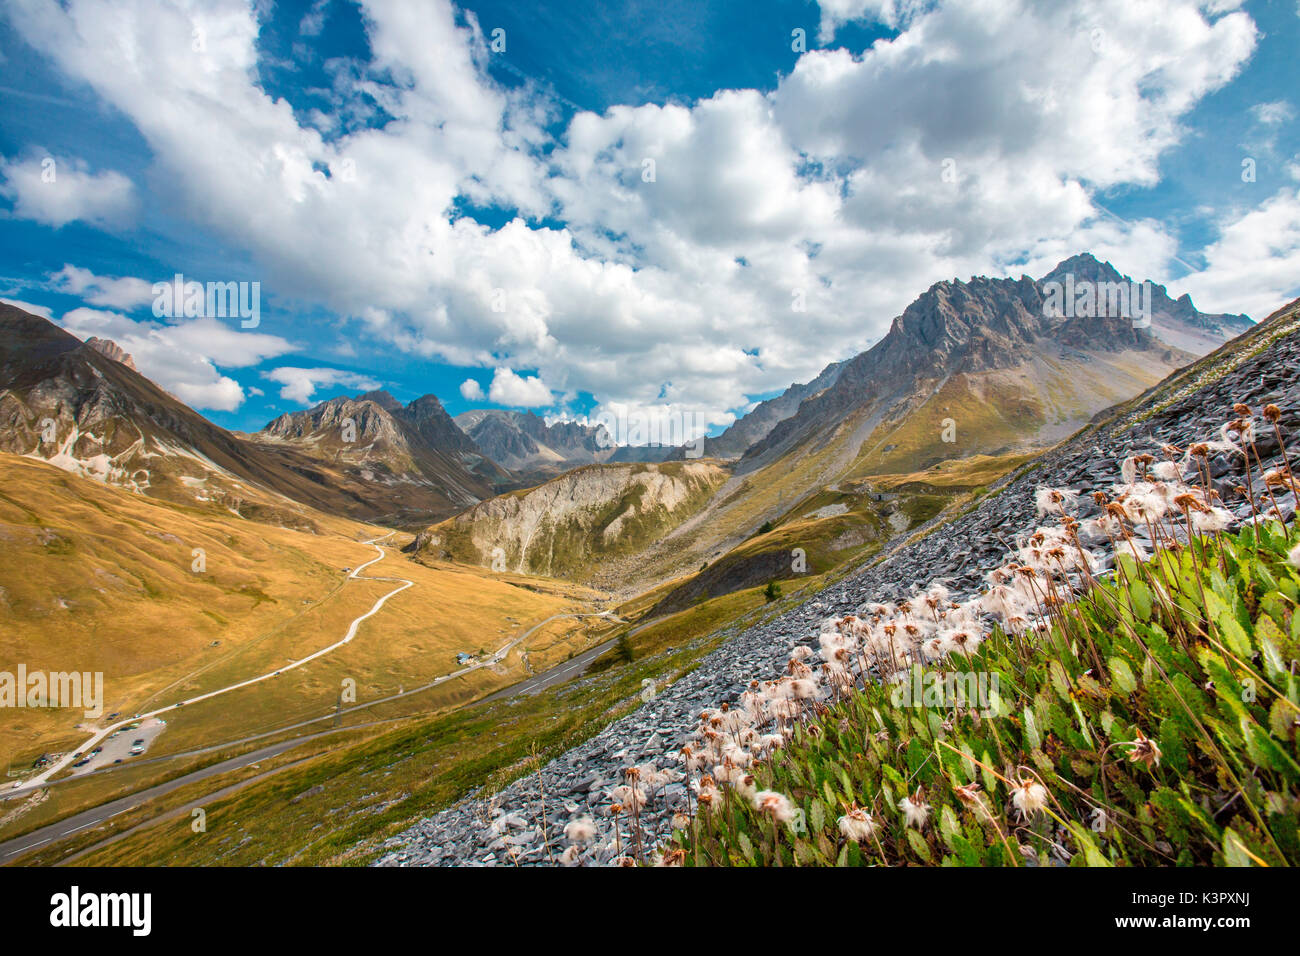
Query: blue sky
pixel 423 212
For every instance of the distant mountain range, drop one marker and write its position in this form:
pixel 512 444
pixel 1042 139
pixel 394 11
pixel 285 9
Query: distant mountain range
pixel 523 441
pixel 755 425
pixel 526 444
pixel 988 366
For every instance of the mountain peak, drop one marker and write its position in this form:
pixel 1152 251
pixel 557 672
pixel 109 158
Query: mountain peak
pixel 426 406
pixel 1084 265
pixel 110 349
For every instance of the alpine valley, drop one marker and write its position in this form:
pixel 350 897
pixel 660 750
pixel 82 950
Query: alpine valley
pixel 518 608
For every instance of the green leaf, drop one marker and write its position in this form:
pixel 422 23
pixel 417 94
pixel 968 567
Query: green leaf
pixel 1083 722
pixel 918 844
pixel 1127 565
pixel 1263 749
pixel 1230 629
pixel 1121 675
pixel 1032 736
pixel 746 847
pixel 990 781
pixel 816 815
pixel 1060 680
pixel 1281 718
pixel 948 826
pixel 1234 850
pixel 844 779
pixel 1270 638
pixel 1140 595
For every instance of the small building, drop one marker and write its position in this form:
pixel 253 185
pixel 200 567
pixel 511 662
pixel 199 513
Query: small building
pixel 464 658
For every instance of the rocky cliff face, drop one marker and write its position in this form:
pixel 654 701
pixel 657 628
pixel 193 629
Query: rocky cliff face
pixel 365 418
pixel 112 350
pixel 567 526
pixel 427 418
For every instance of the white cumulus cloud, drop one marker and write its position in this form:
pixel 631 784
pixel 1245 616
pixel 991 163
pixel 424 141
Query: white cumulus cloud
pixel 113 293
pixel 300 384
pixel 710 250
pixel 59 190
pixel 525 391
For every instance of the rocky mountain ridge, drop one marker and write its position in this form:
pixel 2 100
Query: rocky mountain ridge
pixel 536 449
pixel 567 526
pixel 995 350
pixel 413 457
pixel 80 406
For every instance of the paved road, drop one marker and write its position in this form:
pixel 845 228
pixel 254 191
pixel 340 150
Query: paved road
pixel 11 849
pixel 556 675
pixel 182 811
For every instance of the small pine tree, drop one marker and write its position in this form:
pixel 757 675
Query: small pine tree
pixel 765 528
pixel 771 592
pixel 624 650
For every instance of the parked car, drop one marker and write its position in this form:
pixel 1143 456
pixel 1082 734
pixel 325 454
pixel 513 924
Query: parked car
pixel 137 746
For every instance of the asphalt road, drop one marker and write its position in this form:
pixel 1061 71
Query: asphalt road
pixel 556 675
pixel 11 849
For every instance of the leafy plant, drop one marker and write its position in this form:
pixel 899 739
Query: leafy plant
pixel 1182 750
